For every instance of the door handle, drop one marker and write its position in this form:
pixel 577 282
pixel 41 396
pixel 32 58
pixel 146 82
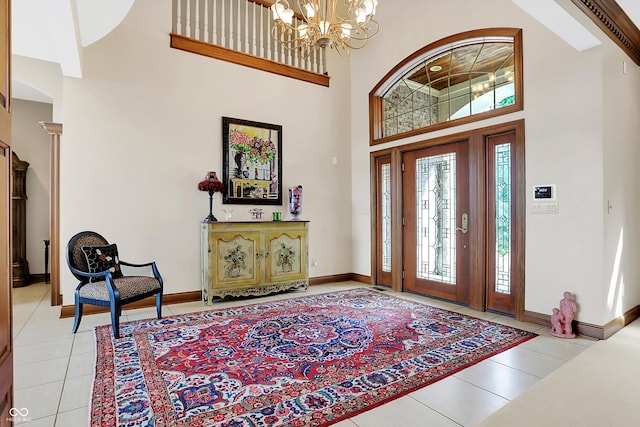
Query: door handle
pixel 465 224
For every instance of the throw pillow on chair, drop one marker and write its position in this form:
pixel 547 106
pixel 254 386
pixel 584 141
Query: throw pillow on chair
pixel 102 258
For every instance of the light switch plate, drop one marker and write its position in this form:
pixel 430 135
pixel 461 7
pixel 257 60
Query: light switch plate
pixel 544 208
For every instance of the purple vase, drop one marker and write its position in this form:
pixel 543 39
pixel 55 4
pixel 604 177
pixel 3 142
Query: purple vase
pixel 295 201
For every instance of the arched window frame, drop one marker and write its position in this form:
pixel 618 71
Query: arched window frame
pixel 424 54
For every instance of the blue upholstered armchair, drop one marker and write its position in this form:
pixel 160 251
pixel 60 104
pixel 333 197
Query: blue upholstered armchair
pixel 96 264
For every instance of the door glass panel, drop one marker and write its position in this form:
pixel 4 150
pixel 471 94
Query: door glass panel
pixel 469 77
pixel 386 217
pixel 503 218
pixel 436 218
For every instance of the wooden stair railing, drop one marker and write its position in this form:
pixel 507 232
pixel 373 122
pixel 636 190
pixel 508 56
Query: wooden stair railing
pixel 239 31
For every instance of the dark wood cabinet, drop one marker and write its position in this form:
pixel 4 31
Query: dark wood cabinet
pixel 19 263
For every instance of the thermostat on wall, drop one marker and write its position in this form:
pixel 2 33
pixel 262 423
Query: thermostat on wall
pixel 544 192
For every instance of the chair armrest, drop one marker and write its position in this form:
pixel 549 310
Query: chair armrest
pixel 152 264
pixel 85 274
pixel 103 276
pixel 129 264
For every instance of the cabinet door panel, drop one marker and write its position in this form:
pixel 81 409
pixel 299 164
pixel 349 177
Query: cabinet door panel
pixel 287 255
pixel 253 258
pixel 235 260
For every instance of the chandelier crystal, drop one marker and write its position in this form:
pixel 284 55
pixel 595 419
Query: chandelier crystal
pixel 321 23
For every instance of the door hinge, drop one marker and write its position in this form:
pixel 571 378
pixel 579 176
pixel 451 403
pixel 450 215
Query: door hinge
pixel 402 168
pixel 403 221
pixel 402 274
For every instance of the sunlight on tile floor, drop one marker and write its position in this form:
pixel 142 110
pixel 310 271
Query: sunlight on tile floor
pixel 54 368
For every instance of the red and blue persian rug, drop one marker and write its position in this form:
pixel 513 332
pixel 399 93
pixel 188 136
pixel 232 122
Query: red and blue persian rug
pixel 307 361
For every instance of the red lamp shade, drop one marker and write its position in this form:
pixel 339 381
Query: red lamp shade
pixel 211 183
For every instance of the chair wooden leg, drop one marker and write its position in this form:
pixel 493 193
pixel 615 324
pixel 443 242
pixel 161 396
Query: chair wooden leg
pixel 78 316
pixel 159 305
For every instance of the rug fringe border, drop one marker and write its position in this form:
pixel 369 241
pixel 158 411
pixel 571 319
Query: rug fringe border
pixel 93 380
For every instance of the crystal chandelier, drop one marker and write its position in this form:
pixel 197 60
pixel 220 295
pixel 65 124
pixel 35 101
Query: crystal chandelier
pixel 322 23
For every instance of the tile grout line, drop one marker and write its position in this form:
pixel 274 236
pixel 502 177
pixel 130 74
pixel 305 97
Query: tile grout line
pixel 55 415
pixel 64 381
pixel 582 348
pixel 529 373
pixel 434 409
pixel 29 317
pixel 489 391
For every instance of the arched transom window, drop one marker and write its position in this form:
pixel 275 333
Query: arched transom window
pixel 459 79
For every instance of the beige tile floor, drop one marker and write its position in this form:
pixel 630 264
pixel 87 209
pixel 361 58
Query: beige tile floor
pixel 597 388
pixel 54 368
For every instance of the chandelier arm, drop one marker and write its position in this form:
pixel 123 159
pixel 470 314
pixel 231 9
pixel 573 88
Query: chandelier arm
pixel 368 32
pixel 280 22
pixel 350 11
pixel 302 10
pixel 361 43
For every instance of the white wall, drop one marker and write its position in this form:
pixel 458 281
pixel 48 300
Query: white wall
pixel 31 143
pixel 621 154
pixel 144 125
pixel 564 130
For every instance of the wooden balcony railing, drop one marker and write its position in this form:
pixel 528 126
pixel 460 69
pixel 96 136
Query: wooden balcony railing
pixel 239 31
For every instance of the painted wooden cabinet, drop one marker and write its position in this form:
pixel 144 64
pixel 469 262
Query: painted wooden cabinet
pixel 253 258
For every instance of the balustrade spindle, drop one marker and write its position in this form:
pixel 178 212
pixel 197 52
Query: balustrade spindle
pixel 183 17
pixel 268 40
pixel 236 31
pixel 192 19
pixel 174 13
pixel 224 20
pixel 210 22
pixel 219 35
pixel 252 33
pixel 241 25
pixel 200 13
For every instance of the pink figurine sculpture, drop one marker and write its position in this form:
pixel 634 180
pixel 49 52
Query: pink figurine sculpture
pixel 556 322
pixel 562 318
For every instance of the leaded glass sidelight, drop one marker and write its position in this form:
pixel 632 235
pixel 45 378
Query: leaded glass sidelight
pixel 436 218
pixel 386 217
pixel 503 218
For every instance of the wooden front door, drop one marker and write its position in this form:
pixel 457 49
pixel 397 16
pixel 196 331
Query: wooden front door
pixel 436 221
pixel 6 344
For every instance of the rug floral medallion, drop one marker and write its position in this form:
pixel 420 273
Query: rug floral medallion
pixel 306 361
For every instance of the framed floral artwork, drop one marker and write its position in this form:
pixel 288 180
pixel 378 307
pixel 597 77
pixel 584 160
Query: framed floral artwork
pixel 251 162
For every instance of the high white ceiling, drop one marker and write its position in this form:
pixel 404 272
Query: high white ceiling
pixel 57 30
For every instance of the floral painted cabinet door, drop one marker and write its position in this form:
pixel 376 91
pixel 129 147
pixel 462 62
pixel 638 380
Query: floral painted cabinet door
pixel 253 258
pixel 236 261
pixel 287 255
